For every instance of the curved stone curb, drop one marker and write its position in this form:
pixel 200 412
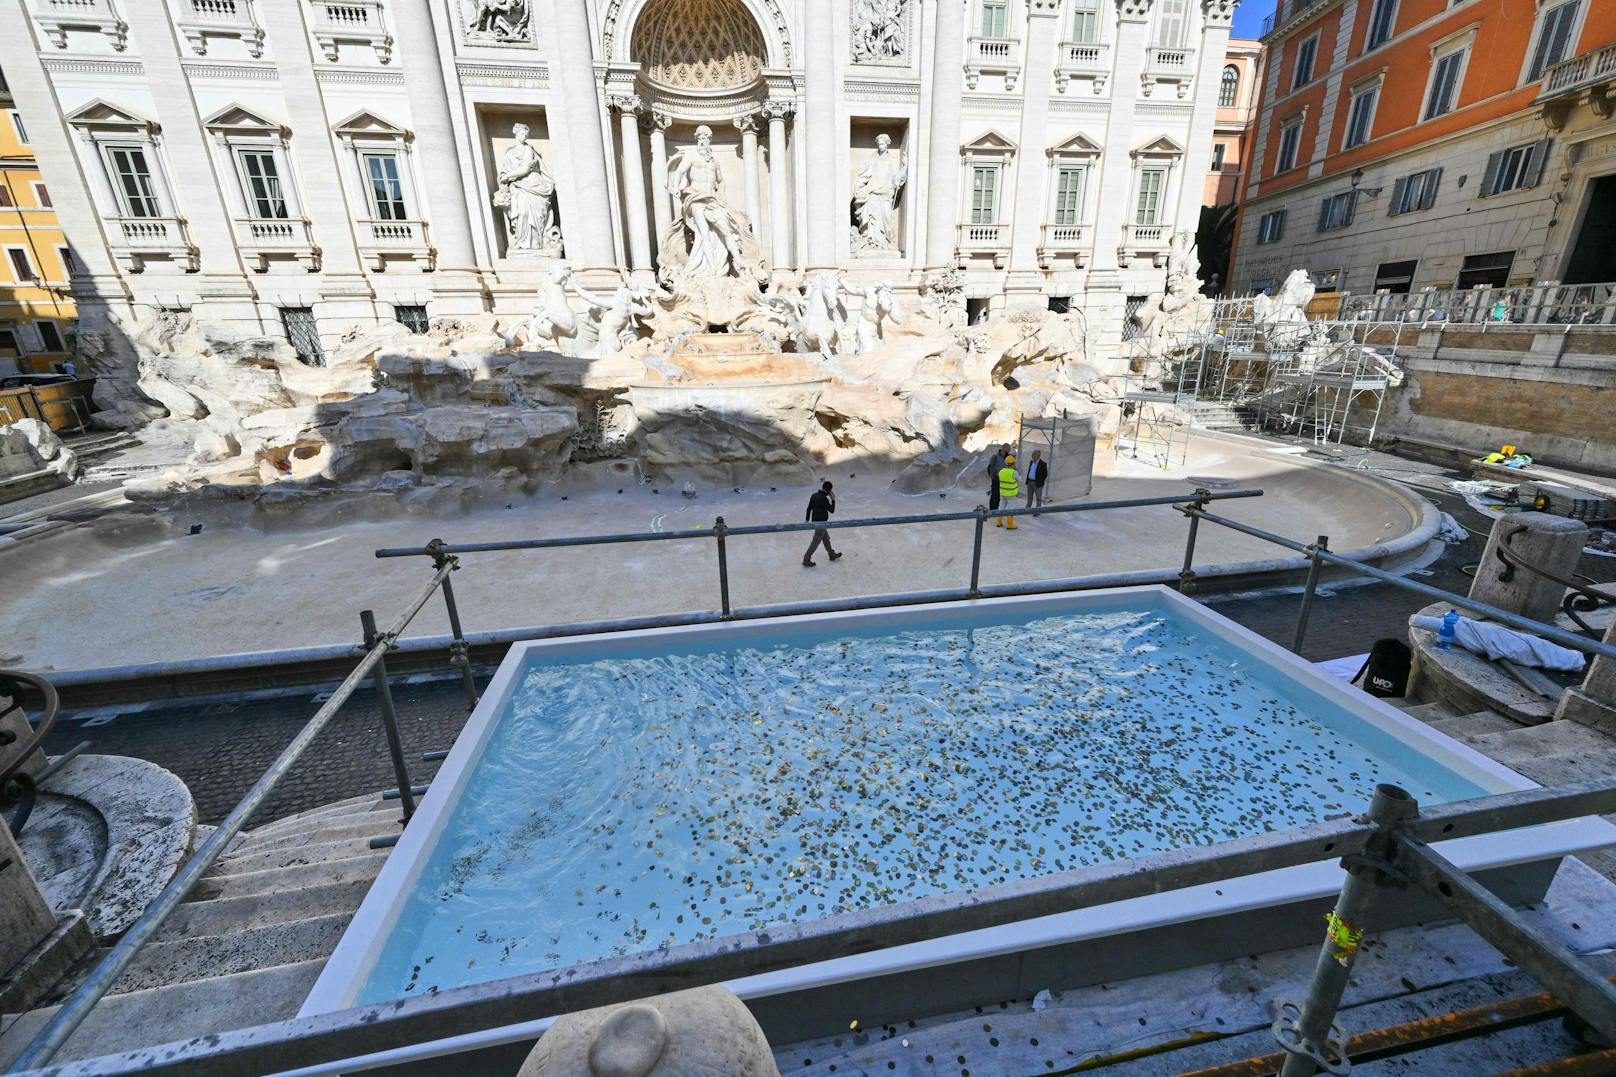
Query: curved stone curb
pixel 147 825
pixel 1468 682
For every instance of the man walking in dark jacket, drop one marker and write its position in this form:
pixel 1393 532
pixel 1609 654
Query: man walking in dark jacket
pixel 820 507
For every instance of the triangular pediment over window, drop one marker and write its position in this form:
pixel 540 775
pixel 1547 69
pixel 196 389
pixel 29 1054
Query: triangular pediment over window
pixel 238 118
pixel 1160 146
pixel 990 142
pixel 100 113
pixel 366 124
pixel 1078 145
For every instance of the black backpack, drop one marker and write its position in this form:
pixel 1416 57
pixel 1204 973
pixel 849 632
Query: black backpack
pixel 1385 672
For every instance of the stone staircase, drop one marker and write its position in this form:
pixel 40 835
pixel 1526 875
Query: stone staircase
pixel 247 945
pixel 1553 753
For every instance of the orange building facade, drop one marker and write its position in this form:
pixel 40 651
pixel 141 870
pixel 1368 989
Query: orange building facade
pixel 1408 144
pixel 1237 101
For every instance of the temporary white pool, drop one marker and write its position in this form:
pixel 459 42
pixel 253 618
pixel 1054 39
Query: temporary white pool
pixel 617 793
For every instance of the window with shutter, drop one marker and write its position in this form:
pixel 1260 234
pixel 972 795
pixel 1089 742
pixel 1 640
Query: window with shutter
pixel 1336 211
pixel 1381 23
pixel 1272 227
pixel 1172 23
pixel 1306 53
pixel 1554 32
pixel 1516 168
pixel 1290 140
pixel 1359 118
pixel 995 17
pixel 985 194
pixel 1069 196
pixel 1148 209
pixel 1399 203
pixel 1444 93
pixel 1086 22
pixel 1536 157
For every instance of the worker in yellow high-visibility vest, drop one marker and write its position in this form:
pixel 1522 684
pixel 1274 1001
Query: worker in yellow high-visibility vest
pixel 1009 488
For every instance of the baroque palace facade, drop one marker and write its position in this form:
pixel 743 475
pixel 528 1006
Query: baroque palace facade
pixel 306 165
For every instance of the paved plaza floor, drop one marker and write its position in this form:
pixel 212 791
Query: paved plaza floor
pixel 220 748
pixel 83 603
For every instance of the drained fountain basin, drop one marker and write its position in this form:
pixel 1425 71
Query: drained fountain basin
pixel 614 794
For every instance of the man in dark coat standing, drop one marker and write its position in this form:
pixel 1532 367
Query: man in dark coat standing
pixel 1037 477
pixel 995 466
pixel 820 508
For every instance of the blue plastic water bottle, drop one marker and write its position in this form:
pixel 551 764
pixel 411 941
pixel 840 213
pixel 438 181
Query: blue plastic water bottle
pixel 1448 632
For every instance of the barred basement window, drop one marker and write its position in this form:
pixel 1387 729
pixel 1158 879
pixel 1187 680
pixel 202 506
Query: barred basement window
pixel 412 318
pixel 1130 307
pixel 303 334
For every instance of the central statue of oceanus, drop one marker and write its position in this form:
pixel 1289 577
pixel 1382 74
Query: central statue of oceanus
pixel 706 238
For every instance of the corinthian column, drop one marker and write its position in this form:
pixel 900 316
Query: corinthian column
pixel 780 215
pixel 943 158
pixel 586 209
pixel 639 236
pixel 821 140
pixel 750 164
pixel 661 208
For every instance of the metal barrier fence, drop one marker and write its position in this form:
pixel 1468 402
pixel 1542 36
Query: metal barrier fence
pixel 1387 843
pixel 1538 304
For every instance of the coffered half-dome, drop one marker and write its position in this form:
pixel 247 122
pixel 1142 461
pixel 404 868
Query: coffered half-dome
pixel 699 44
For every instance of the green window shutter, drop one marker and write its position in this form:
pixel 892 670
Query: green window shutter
pixel 1536 159
pixel 1428 196
pixel 1490 178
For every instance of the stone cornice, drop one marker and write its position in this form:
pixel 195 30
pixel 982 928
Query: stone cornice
pixel 61 65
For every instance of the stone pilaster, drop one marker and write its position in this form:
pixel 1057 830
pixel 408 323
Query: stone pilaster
pixel 1116 164
pixel 345 295
pixel 943 133
pixel 1216 16
pixel 223 292
pixel 586 212
pixel 1026 231
pixel 822 55
pixel 98 285
pixel 457 286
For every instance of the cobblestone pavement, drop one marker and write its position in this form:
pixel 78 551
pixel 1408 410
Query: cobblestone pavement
pixel 220 749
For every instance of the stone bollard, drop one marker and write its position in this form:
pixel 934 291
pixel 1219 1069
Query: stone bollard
pixel 14 732
pixel 36 947
pixel 1553 543
pixel 706 1030
pixel 1594 704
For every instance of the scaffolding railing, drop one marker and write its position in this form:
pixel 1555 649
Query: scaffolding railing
pixel 1390 842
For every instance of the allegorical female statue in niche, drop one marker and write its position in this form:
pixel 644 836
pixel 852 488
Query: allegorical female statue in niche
pixel 527 196
pixel 875 198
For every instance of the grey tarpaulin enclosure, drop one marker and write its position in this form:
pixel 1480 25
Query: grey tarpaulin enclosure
pixel 1068 445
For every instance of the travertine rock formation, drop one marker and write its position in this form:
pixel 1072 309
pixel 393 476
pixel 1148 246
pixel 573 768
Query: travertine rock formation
pixel 28 445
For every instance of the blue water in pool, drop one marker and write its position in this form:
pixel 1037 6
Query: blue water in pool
pixel 661 798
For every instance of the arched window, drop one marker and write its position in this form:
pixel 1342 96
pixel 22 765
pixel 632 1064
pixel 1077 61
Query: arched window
pixel 1229 87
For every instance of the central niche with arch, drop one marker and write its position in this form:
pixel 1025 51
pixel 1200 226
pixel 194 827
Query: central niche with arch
pixel 699 44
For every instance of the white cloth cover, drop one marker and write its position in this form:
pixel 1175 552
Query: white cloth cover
pixel 1496 641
